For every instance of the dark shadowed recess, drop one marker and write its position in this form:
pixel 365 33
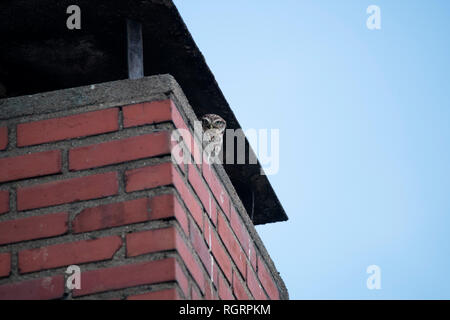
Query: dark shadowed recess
pixel 38 53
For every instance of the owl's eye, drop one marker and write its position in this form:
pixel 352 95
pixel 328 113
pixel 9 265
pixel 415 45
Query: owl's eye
pixel 205 122
pixel 219 124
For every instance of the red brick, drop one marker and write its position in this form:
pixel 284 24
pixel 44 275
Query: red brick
pixel 149 241
pixel 225 292
pixel 191 264
pixel 112 215
pixel 178 151
pixel 5 264
pixel 191 143
pixel 195 295
pixel 147 113
pixel 149 177
pixel 3 138
pixel 36 289
pixel 130 212
pixel 201 190
pixel 240 230
pixel 80 125
pixel 68 253
pixel 218 251
pixel 67 191
pixel 4 201
pixel 211 292
pixel 255 287
pixel 127 276
pixel 32 228
pixel 201 248
pixel 30 165
pixel 182 280
pixel 191 203
pixel 181 216
pixel 267 280
pixel 215 271
pixel 118 151
pixel 239 289
pixel 214 213
pixel 213 268
pixel 217 189
pixel 167 206
pixel 162 206
pixel 167 294
pixel 232 245
pixel 160 175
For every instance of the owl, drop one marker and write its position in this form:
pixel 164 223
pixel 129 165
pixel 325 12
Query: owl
pixel 213 128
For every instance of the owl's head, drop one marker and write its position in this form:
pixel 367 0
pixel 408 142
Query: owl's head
pixel 213 122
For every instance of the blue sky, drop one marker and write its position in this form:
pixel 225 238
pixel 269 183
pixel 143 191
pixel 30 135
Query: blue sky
pixel 364 119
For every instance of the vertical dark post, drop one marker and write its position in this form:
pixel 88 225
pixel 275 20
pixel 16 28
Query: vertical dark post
pixel 135 50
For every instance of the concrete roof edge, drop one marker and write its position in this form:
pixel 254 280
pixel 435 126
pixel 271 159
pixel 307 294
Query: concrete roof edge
pixel 107 94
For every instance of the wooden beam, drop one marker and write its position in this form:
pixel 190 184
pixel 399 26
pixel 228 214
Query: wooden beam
pixel 135 50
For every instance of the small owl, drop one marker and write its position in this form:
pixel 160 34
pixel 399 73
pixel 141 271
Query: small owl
pixel 213 128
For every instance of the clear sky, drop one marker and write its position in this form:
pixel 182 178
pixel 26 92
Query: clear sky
pixel 364 119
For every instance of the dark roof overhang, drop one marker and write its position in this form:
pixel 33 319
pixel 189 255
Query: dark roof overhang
pixel 39 53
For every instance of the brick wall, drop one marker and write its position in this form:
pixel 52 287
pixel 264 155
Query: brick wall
pixel 96 187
